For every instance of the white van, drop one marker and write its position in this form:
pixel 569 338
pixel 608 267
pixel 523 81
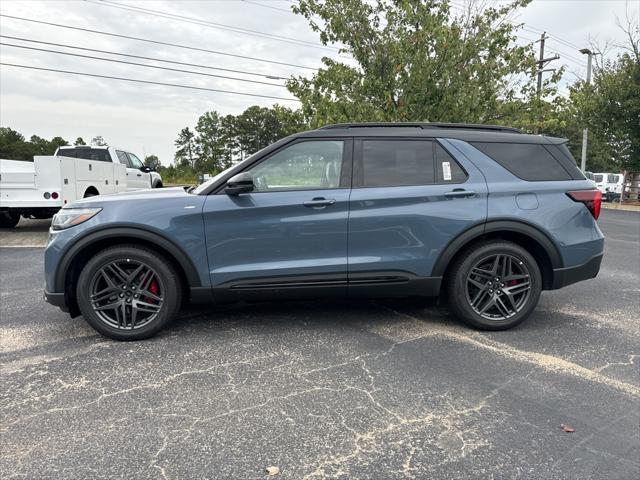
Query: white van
pixel 610 184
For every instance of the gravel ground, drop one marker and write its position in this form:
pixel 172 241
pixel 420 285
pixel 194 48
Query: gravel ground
pixel 327 389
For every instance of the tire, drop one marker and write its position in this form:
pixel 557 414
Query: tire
pixel 89 194
pixel 9 219
pixel 472 286
pixel 157 185
pixel 112 314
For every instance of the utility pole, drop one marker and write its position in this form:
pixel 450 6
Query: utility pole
pixel 542 62
pixel 585 132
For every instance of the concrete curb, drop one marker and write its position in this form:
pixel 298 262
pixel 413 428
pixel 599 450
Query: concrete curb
pixel 617 206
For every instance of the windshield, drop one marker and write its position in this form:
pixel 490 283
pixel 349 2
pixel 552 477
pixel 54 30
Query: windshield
pixel 597 178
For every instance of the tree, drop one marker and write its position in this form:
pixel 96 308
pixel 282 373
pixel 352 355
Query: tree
pixel 98 141
pixel 211 141
pixel 58 142
pixel 186 152
pixel 415 61
pixel 152 161
pixel 79 141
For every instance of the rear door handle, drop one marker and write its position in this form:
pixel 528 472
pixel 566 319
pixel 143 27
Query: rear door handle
pixel 459 193
pixel 139 174
pixel 319 202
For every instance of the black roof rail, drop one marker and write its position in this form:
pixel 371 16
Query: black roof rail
pixel 423 125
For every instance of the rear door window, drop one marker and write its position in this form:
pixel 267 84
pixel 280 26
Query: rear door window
pixel 531 162
pixel 87 153
pixel 393 163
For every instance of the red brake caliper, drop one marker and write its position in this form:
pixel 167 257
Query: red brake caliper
pixel 153 287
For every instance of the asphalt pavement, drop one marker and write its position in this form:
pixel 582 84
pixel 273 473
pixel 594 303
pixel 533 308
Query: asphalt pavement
pixel 328 389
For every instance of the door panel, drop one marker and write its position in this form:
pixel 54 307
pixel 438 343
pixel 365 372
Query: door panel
pixel 402 230
pixel 136 179
pixel 290 232
pixel 258 238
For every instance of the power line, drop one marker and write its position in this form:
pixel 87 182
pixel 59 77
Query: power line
pixel 149 82
pixel 256 74
pixel 207 23
pixel 157 42
pixel 267 6
pixel 92 57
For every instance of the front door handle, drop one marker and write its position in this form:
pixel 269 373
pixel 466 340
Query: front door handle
pixel 459 193
pixel 139 174
pixel 319 202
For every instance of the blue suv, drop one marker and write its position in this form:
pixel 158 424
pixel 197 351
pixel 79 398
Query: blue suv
pixel 487 215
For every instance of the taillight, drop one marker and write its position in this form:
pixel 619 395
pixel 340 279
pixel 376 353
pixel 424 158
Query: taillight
pixel 591 198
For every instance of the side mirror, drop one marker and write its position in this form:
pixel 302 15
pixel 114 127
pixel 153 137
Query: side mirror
pixel 240 183
pixel 145 169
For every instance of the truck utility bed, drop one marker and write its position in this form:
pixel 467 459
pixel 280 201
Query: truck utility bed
pixel 49 182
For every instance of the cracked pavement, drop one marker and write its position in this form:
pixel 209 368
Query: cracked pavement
pixel 379 389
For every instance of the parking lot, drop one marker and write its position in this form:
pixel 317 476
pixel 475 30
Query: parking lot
pixel 326 389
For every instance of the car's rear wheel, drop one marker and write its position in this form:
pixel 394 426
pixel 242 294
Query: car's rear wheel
pixel 494 285
pixel 9 219
pixel 128 292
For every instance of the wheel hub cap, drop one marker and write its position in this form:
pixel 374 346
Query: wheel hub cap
pixel 126 294
pixel 498 286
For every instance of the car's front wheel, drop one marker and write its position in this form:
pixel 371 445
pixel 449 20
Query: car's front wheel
pixel 128 292
pixel 494 285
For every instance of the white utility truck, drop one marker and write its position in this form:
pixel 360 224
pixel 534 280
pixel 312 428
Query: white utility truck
pixel 40 188
pixel 610 184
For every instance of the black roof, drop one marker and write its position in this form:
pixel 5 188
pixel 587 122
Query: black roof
pixel 462 131
pixel 423 125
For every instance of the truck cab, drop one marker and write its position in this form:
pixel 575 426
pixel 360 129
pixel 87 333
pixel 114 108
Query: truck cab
pixel 138 175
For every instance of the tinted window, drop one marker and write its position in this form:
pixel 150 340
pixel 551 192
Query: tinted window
pixel 390 163
pixel 310 165
pixel 98 154
pixel 531 162
pixel 562 154
pixel 597 178
pixel 612 178
pixel 447 169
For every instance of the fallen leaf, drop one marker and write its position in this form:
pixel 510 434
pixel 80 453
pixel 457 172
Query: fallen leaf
pixel 566 428
pixel 271 471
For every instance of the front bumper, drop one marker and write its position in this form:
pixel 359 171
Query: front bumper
pixel 566 276
pixel 56 299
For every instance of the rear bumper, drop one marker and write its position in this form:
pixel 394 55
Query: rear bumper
pixel 566 276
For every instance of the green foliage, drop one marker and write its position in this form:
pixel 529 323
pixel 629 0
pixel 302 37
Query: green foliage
pixel 414 61
pixel 186 152
pixel 13 145
pixel 152 161
pixel 219 141
pixel 610 108
pixel 79 141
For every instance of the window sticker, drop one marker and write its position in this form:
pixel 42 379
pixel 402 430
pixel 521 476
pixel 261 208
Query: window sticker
pixel 446 170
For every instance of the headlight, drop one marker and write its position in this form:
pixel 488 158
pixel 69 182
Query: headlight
pixel 68 217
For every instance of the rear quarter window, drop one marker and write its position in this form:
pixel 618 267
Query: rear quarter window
pixel 531 162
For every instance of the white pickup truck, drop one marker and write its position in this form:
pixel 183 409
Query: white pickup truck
pixel 40 188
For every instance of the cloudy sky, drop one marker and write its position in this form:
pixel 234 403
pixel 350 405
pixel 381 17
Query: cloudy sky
pixel 146 118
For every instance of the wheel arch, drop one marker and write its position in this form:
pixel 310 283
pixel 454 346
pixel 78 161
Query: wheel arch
pixel 75 257
pixel 90 189
pixel 521 233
